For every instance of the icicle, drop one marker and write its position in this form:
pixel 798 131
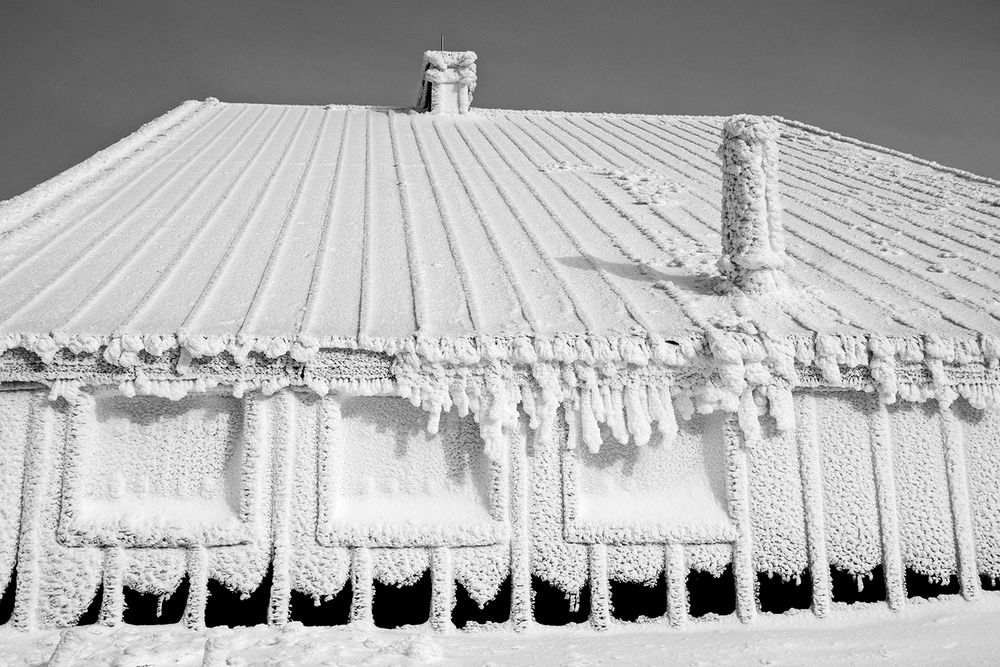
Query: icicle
pixel 684 406
pixel 748 419
pixel 572 428
pixel 434 417
pixel 543 349
pixel 528 403
pixel 666 419
pixel 578 351
pixel 591 432
pixel 883 367
pixel 829 351
pixel 460 398
pixel 634 352
pixel 638 418
pixel 602 403
pixel 937 351
pixel 782 409
pixel 616 416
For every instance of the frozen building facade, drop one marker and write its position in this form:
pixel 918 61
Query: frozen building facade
pixel 330 349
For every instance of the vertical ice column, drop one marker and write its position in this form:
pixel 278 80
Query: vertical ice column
pixel 753 245
pixel 442 588
pixel 676 571
pixel 197 568
pixel 600 594
pixel 113 602
pixel 449 78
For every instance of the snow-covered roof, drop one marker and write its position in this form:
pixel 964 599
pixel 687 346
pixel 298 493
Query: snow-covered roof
pixel 342 225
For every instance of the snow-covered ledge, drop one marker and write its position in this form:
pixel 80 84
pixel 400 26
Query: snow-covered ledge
pixel 449 78
pixel 753 244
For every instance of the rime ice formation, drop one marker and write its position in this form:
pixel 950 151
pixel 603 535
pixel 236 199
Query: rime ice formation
pixel 350 345
pixel 753 242
pixel 448 83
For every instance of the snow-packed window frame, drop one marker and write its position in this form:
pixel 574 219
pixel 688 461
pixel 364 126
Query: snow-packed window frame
pixel 333 447
pixel 710 434
pixel 82 439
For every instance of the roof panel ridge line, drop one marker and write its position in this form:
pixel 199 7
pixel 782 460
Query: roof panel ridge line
pixel 675 294
pixel 57 186
pixel 889 151
pixel 98 241
pixel 412 258
pixel 367 206
pixel 808 155
pixel 525 227
pixel 162 226
pixel 795 315
pixel 615 242
pixel 235 240
pixel 814 167
pixel 268 273
pixel 199 230
pixel 929 238
pixel 462 268
pixel 902 267
pixel 101 205
pixel 306 314
pixel 483 217
pixel 799 257
pixel 543 254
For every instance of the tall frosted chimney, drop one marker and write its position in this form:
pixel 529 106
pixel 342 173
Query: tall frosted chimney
pixel 753 243
pixel 449 79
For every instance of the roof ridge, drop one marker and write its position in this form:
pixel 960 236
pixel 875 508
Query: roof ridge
pixel 889 151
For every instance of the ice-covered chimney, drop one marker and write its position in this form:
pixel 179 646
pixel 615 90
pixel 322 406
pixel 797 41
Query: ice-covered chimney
pixel 753 243
pixel 448 81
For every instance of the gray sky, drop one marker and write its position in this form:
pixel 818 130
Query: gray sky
pixel 921 76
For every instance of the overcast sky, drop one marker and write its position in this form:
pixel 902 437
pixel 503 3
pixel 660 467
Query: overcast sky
pixel 921 76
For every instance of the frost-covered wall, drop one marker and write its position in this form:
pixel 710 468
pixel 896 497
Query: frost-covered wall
pixel 100 489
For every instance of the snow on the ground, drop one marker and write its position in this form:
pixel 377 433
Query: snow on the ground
pixel 928 633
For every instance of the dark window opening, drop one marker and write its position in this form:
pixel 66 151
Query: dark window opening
pixel 335 610
pixel 395 606
pixel 632 601
pixel 921 586
pixel 553 607
pixel 850 588
pixel 229 608
pixel 93 613
pixel 989 582
pixel 708 594
pixel 7 599
pixel 468 611
pixel 778 596
pixel 152 609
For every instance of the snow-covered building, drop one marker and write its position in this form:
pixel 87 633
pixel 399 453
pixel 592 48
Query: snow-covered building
pixel 338 347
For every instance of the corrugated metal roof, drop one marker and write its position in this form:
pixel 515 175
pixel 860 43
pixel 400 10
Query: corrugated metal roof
pixel 244 220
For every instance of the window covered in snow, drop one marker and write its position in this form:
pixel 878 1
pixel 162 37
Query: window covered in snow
pixel 387 481
pixel 148 471
pixel 626 494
